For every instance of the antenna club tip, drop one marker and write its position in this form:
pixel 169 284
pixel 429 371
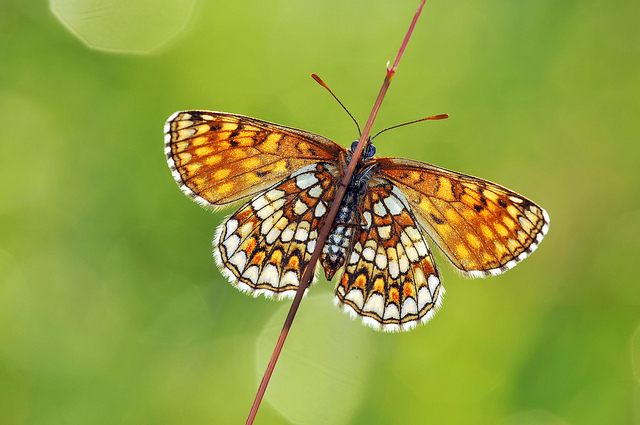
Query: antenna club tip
pixel 318 79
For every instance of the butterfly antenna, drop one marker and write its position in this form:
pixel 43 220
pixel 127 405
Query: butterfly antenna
pixel 435 117
pixel 319 81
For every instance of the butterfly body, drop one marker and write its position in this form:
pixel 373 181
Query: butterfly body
pixel 378 244
pixel 348 217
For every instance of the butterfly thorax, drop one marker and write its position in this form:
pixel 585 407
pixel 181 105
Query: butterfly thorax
pixel 349 215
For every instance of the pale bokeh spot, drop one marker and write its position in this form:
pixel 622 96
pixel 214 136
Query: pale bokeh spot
pixel 321 376
pixel 126 26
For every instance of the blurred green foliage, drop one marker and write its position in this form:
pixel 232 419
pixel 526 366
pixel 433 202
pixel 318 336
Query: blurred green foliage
pixel 112 309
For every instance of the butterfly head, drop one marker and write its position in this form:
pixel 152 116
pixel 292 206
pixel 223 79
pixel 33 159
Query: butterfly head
pixel 368 153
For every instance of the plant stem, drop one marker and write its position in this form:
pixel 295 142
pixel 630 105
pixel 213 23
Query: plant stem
pixel 326 229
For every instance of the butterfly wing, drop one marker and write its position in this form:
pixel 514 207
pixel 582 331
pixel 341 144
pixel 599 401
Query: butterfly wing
pixel 390 278
pixel 483 228
pixel 265 247
pixel 218 158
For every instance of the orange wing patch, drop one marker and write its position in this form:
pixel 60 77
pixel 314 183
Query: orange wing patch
pixel 483 228
pixel 219 158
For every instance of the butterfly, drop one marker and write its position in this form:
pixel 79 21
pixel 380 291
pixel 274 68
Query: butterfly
pixel 378 245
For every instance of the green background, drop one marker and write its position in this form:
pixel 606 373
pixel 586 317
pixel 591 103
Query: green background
pixel 112 310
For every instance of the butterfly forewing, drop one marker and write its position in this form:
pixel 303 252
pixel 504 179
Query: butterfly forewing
pixel 265 247
pixel 482 227
pixel 219 158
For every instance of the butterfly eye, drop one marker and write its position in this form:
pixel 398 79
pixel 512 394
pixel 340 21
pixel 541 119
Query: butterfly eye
pixel 371 150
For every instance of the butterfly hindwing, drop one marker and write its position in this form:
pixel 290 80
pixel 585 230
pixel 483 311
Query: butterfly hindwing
pixel 265 247
pixel 390 278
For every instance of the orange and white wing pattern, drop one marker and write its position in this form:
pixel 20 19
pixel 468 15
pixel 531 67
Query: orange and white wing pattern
pixel 483 228
pixel 390 278
pixel 265 247
pixel 218 158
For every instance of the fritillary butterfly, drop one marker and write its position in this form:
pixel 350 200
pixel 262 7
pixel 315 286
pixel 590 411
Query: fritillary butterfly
pixel 377 246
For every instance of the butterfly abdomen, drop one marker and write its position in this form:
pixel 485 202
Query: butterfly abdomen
pixel 339 241
pixel 335 249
